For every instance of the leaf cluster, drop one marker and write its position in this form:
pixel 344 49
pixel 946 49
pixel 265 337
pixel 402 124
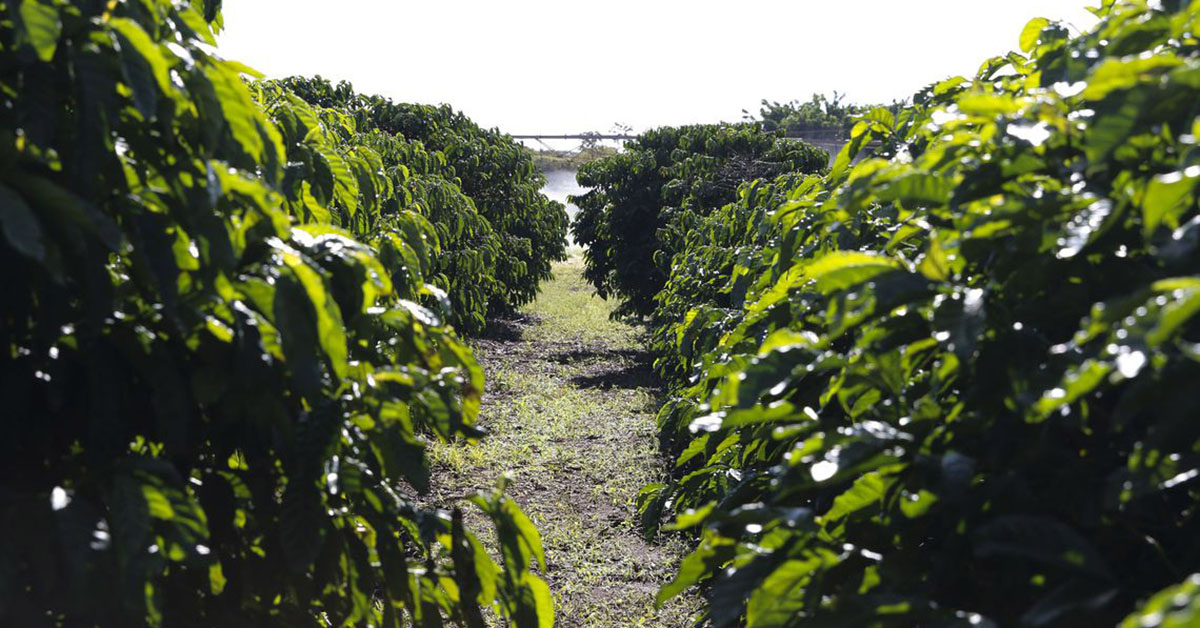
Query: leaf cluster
pixel 217 371
pixel 500 248
pixel 952 384
pixel 821 115
pixel 642 201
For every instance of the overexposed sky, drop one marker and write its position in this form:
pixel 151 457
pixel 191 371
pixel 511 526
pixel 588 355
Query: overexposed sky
pixel 562 66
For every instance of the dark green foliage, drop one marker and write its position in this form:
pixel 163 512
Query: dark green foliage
pixel 642 200
pixel 720 256
pixel 216 374
pixel 956 386
pixel 821 115
pixel 496 173
pixel 408 178
pixel 499 175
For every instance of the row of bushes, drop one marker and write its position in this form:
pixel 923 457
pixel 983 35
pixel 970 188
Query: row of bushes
pixel 217 363
pixel 501 234
pixel 951 384
pixel 642 201
pixel 821 116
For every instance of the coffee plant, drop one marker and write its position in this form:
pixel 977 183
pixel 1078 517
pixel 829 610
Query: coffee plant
pixel 828 116
pixel 408 179
pixel 719 255
pixel 642 201
pixel 218 375
pixel 952 384
pixel 527 230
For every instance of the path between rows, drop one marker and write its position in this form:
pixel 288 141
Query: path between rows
pixel 569 408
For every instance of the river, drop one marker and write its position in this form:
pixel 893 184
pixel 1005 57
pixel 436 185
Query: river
pixel 559 185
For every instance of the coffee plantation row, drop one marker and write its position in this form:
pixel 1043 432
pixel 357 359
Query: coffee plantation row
pixel 230 321
pixel 952 383
pixel 945 380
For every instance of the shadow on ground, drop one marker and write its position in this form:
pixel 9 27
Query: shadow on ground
pixel 569 406
pixel 630 376
pixel 508 328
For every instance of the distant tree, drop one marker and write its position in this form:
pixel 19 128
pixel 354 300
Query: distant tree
pixel 820 114
pixel 640 201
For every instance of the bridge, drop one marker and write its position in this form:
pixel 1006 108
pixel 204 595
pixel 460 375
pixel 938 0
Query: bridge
pixel 813 137
pixel 577 136
pixel 831 141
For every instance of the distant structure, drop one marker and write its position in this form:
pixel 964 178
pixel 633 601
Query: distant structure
pixel 831 141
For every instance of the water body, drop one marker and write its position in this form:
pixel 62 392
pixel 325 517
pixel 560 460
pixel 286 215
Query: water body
pixel 559 185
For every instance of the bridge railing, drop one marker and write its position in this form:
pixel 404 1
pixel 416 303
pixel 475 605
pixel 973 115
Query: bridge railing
pixel 819 136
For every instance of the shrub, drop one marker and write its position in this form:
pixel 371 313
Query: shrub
pixel 217 379
pixel 495 172
pixel 409 180
pixel 958 388
pixel 664 176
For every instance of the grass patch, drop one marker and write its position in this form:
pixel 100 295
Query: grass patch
pixel 569 411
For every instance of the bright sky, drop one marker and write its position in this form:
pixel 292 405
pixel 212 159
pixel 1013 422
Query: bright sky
pixel 555 66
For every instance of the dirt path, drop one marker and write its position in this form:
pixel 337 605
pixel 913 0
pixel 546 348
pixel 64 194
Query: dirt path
pixel 570 411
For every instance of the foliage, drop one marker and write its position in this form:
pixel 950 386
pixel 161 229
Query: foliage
pixel 632 219
pixel 1173 607
pixel 409 180
pixel 216 376
pixel 955 386
pixel 821 115
pixel 720 254
pixel 495 172
pixel 547 160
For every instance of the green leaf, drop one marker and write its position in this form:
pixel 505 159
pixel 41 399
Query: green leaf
pixel 527 531
pixel 845 269
pixel 988 105
pixel 42 27
pixel 198 25
pixel 880 116
pixel 241 116
pixel 1076 596
pixel 331 331
pixel 949 85
pixel 845 157
pixel 915 189
pixel 1032 32
pixel 775 602
pixel 316 212
pixel 143 63
pixel 1114 127
pixel 542 599
pixel 916 505
pixel 935 265
pixel 1078 382
pixel 691 518
pixel 302 524
pixel 1180 302
pixel 345 185
pixel 1167 197
pixel 20 225
pixel 212 9
pixel 1174 607
pixel 1120 74
pixel 519 538
pixel 697 566
pixel 158 503
pixel 474 572
pixel 403 456
pixel 866 491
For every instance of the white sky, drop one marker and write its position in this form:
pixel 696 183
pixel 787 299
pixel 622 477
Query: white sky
pixel 562 66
